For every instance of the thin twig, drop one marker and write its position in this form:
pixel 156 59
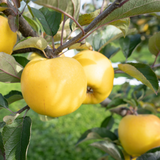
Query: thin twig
pixel 70 35
pixel 155 60
pixel 53 44
pixel 23 109
pixel 156 66
pixel 26 50
pixel 118 71
pixel 23 9
pixel 102 7
pixel 94 4
pixel 9 110
pixel 64 20
pixel 26 112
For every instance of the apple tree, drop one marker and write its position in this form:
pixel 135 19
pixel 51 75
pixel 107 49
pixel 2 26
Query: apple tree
pixel 54 27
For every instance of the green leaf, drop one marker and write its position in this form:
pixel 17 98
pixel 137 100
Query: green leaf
pixel 129 43
pixel 32 23
pixel 153 154
pixel 16 137
pixel 3 102
pixel 122 24
pixel 141 72
pixel 13 21
pixel 10 70
pixel 71 7
pixel 85 19
pixel 131 102
pixel 101 38
pixel 2 124
pixel 21 60
pixel 117 36
pixel 110 148
pixel 32 42
pixel 49 19
pixel 154 46
pixel 108 122
pixel 116 102
pixel 139 91
pixel 13 96
pixel 3 6
pixel 110 50
pixel 149 106
pixel 2 152
pixel 96 133
pixel 133 8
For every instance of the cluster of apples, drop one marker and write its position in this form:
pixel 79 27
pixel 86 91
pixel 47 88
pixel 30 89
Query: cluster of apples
pixel 56 87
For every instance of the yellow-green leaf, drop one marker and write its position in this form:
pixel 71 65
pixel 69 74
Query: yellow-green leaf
pixel 3 8
pixel 141 72
pixel 87 18
pixel 154 45
pixel 122 24
pixel 81 46
pixel 33 42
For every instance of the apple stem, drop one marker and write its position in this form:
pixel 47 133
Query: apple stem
pixel 23 109
pixel 89 89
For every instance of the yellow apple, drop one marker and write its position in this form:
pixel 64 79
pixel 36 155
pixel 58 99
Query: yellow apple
pixel 54 87
pixel 8 38
pixel 128 157
pixel 139 133
pixel 99 73
pixel 34 56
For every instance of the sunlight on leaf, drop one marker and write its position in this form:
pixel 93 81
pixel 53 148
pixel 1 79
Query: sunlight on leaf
pixel 9 119
pixel 33 42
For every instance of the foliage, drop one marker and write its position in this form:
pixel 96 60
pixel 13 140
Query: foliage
pixel 111 29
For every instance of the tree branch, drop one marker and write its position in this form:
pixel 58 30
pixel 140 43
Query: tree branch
pixel 27 30
pixel 116 4
pixel 24 27
pixel 25 50
pixel 23 109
